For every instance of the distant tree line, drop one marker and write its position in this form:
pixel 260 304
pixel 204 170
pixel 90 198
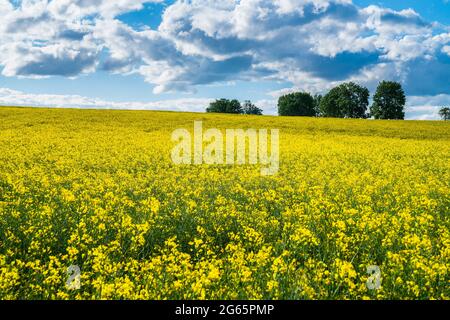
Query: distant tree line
pixel 348 100
pixel 233 106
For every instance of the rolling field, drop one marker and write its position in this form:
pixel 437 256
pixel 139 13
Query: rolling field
pixel 98 189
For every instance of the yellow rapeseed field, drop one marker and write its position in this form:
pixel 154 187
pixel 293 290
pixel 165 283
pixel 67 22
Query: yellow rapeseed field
pixel 98 190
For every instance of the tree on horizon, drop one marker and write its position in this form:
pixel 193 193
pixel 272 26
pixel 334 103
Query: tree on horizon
pixel 389 101
pixel 301 104
pixel 445 113
pixel 225 106
pixel 348 100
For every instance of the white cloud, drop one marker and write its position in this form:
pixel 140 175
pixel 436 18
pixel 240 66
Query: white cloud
pixel 314 44
pixel 438 100
pixel 446 49
pixel 426 107
pixel 10 97
pixel 45 38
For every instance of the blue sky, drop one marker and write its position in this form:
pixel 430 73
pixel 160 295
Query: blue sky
pixel 430 10
pixel 178 55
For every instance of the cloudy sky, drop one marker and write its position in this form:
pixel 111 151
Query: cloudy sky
pixel 178 55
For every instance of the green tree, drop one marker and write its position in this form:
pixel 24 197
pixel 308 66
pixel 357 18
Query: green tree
pixel 225 106
pixel 317 99
pixel 389 101
pixel 445 113
pixel 250 108
pixel 297 104
pixel 349 100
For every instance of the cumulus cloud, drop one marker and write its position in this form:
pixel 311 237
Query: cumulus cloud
pixel 313 44
pixel 41 38
pixel 310 43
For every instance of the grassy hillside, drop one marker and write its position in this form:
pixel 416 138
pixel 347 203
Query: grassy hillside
pixel 98 189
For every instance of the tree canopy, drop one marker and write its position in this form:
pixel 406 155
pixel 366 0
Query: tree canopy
pixel 389 101
pixel 297 104
pixel 225 106
pixel 249 108
pixel 348 100
pixel 445 113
